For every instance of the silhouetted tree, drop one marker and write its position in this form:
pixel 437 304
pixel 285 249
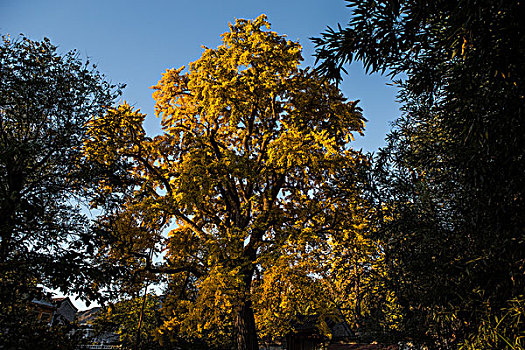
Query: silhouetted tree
pixel 46 99
pixel 451 177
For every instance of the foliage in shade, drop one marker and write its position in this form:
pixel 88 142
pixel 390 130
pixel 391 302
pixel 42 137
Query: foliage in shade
pixel 451 177
pixel 45 102
pixel 122 318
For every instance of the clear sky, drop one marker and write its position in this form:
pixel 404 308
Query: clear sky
pixel 134 42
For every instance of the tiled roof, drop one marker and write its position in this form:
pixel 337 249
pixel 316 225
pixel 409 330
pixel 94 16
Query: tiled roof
pixel 86 316
pixel 43 303
pixel 59 299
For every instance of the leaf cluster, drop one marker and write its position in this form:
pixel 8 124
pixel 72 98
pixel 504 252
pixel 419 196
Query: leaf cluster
pixel 450 178
pixel 251 176
pixel 46 100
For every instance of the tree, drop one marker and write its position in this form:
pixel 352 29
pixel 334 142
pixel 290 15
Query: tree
pixel 124 316
pixel 45 102
pixel 451 175
pixel 244 174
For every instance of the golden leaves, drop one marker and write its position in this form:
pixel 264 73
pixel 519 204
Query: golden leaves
pixel 115 133
pixel 247 167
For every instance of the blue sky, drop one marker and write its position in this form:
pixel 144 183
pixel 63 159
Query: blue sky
pixel 134 42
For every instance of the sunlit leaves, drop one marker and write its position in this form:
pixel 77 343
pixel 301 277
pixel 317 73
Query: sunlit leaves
pixel 245 172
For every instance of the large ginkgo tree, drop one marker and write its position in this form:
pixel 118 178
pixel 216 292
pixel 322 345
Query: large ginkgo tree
pixel 253 178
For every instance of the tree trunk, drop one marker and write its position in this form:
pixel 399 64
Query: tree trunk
pixel 246 332
pixel 245 326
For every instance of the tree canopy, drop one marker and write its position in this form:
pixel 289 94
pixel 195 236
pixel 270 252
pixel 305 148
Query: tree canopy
pixel 253 175
pixel 450 177
pixel 46 100
pixel 252 211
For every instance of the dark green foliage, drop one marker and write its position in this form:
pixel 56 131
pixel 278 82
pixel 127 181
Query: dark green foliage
pixel 27 333
pixel 45 102
pixel 20 328
pixel 451 179
pixel 123 318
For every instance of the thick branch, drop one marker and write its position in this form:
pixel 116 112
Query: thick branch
pixel 166 270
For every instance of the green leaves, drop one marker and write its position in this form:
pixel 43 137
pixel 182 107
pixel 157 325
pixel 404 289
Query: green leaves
pixel 448 183
pixel 46 100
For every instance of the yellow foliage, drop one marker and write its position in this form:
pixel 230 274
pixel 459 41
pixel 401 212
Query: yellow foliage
pixel 251 168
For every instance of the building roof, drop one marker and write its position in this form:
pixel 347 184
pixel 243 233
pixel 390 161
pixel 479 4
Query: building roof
pixel 44 303
pixel 87 316
pixel 59 299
